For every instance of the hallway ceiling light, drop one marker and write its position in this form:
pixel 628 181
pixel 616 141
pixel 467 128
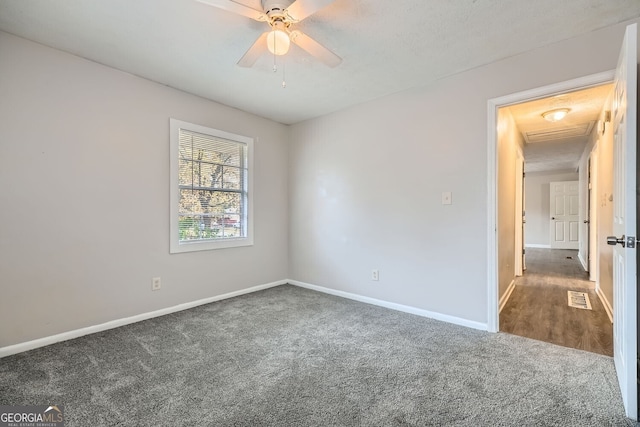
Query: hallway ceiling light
pixel 555 115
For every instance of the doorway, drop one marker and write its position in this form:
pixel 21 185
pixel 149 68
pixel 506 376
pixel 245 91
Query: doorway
pixel 502 238
pixel 557 155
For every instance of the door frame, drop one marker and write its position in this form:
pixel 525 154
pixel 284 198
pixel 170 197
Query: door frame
pixel 519 225
pixel 493 105
pixel 593 262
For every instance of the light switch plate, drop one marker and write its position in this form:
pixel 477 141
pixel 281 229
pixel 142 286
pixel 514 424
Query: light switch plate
pixel 446 197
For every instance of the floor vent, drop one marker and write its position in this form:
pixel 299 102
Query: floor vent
pixel 579 300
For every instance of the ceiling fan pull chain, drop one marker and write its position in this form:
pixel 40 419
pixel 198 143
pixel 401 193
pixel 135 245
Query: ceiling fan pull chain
pixel 284 83
pixel 275 65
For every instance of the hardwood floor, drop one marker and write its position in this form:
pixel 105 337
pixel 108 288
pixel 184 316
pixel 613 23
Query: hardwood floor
pixel 538 306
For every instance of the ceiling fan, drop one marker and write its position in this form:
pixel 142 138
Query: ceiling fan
pixel 281 15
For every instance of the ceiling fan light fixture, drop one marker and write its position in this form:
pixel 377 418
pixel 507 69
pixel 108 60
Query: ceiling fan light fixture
pixel 281 16
pixel 278 42
pixel 555 115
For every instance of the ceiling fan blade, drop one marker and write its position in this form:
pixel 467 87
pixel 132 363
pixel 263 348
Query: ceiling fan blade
pixel 300 9
pixel 251 56
pixel 315 49
pixel 237 8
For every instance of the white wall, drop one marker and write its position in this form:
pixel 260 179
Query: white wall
pixel 365 183
pixel 84 167
pixel 602 192
pixel 537 205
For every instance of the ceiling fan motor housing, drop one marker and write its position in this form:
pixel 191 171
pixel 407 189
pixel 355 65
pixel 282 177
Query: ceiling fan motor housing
pixel 274 9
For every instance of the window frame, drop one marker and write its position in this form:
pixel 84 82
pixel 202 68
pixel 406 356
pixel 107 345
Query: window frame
pixel 175 245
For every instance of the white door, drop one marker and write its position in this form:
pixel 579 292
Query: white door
pixel 624 222
pixel 563 207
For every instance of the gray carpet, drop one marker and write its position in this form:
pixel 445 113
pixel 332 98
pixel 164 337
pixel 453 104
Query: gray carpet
pixel 293 357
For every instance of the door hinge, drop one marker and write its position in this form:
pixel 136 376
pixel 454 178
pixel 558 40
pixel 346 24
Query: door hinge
pixel 631 242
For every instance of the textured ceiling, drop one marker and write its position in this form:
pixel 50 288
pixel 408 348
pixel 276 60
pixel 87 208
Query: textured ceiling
pixel 386 46
pixel 558 146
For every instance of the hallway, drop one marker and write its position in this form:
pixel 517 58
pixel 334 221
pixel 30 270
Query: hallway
pixel 538 307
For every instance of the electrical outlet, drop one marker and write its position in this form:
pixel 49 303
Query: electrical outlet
pixel 375 275
pixel 156 284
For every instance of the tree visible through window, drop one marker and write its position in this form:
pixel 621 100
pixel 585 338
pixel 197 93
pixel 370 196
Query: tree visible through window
pixel 212 177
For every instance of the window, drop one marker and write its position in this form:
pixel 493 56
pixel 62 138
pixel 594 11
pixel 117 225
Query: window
pixel 210 188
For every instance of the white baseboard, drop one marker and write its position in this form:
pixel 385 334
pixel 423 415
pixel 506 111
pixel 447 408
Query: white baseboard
pixel 583 262
pixel 536 245
pixel 393 306
pixel 505 297
pixel 605 303
pixel 41 342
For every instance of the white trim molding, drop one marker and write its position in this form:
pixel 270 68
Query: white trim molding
pixel 505 297
pixel 537 245
pixel 393 306
pixel 605 302
pixel 583 262
pixel 77 333
pixel 492 178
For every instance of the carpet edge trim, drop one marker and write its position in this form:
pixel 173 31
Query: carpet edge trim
pixel 393 306
pixel 77 333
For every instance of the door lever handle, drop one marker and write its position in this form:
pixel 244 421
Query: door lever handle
pixel 613 240
pixel 626 242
